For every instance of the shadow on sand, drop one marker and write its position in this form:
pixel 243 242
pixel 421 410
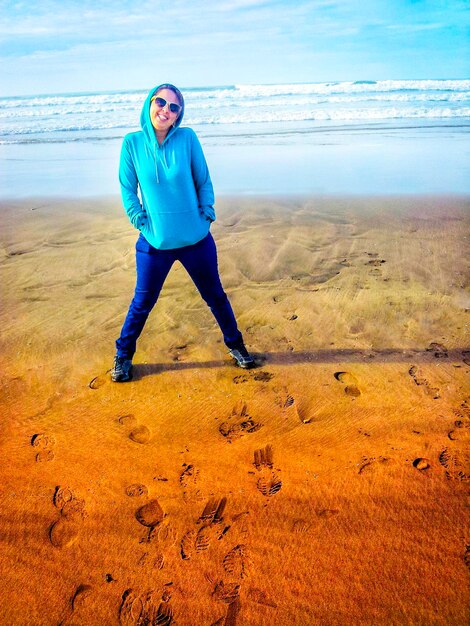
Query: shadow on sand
pixel 315 357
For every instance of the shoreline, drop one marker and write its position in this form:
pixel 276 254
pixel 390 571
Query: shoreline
pixel 460 197
pixel 408 160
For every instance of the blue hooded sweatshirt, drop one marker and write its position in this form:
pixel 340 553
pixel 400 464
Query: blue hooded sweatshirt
pixel 176 206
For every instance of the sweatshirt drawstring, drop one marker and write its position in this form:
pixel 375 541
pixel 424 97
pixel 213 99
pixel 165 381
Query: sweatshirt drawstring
pixel 163 151
pixel 156 165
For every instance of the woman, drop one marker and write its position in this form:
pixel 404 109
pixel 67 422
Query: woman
pixel 173 216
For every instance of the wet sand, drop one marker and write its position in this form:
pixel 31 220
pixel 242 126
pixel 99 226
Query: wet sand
pixel 326 486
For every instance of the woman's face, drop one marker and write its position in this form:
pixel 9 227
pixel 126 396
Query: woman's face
pixel 162 118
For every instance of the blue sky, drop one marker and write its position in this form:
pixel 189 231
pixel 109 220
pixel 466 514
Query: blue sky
pixel 57 46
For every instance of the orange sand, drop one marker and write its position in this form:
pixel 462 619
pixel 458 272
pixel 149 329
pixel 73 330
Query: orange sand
pixel 327 486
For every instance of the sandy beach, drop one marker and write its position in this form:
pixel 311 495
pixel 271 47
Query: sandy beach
pixel 327 486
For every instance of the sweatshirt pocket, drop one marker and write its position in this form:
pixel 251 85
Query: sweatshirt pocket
pixel 176 230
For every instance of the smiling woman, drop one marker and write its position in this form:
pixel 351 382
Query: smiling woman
pixel 173 214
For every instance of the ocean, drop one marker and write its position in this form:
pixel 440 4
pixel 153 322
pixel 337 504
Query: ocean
pixel 336 137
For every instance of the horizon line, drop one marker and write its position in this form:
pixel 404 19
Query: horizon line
pixel 234 86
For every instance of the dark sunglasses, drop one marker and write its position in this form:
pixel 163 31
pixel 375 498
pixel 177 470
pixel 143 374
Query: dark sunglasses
pixel 161 102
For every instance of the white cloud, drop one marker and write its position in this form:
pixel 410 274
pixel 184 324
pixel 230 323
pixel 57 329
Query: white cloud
pixel 225 41
pixel 415 28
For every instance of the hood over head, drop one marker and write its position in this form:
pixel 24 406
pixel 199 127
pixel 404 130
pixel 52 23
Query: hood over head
pixel 145 120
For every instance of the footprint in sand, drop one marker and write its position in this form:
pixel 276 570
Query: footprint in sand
pixel 208 528
pixel 44 445
pixel 371 464
pixel 284 399
pixel 301 526
pixel 350 382
pixel 239 423
pixel 127 420
pixel 189 480
pixel 99 381
pixel 150 514
pixel 456 464
pixel 155 562
pixel 261 597
pixel 463 413
pixel 461 430
pixel 136 490
pixel 213 511
pixel 188 544
pixel 440 351
pixel 64 532
pixel 146 608
pixel 189 476
pixel 290 407
pixel 226 592
pixel 238 562
pixel 230 618
pixel 269 484
pixel 466 556
pixel 375 265
pixel 131 608
pixel 263 376
pixel 269 481
pixel 139 432
pixel 205 536
pixel 422 464
pixel 243 378
pixel 236 528
pixel 461 434
pixel 264 457
pixel 164 535
pixel 419 380
pixel 76 601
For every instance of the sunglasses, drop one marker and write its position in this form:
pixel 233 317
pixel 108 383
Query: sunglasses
pixel 161 102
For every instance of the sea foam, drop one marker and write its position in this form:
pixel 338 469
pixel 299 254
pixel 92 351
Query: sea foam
pixel 83 116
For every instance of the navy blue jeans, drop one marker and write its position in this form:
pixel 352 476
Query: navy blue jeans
pixel 153 265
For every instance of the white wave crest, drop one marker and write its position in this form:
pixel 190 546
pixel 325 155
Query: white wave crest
pixel 242 104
